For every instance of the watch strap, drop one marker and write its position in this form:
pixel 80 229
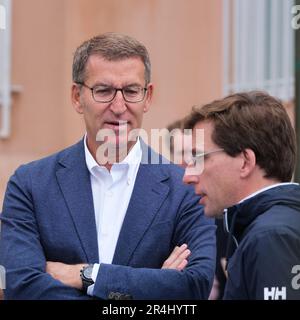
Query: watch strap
pixel 86 276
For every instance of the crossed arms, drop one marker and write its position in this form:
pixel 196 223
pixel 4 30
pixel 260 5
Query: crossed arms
pixel 42 254
pixel 70 274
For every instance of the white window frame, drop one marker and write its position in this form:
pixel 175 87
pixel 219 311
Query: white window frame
pixel 5 70
pixel 258 47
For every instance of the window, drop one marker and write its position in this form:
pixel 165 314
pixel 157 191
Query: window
pixel 2 17
pixel 5 66
pixel 259 47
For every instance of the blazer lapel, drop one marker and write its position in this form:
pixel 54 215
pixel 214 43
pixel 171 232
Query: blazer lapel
pixel 144 204
pixel 74 180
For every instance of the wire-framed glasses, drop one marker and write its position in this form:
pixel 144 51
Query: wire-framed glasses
pixel 200 157
pixel 102 93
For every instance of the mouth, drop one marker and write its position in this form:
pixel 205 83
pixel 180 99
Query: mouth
pixel 116 125
pixel 203 198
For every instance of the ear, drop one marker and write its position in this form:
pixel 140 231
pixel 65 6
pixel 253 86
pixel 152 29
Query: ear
pixel 148 98
pixel 75 98
pixel 248 163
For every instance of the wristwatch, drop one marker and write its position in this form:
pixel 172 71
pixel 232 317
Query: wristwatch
pixel 86 276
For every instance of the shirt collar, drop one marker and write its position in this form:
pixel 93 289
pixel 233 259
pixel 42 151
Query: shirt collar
pixel 132 159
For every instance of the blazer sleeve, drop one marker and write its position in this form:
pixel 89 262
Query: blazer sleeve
pixel 21 252
pixel 194 282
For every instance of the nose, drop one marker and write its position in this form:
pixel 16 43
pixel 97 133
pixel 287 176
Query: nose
pixel 118 105
pixel 189 177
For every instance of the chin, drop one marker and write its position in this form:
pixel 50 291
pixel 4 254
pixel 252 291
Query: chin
pixel 211 213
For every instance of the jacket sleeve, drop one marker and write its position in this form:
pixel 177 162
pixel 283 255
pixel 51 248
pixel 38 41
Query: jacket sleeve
pixel 21 252
pixel 269 266
pixel 194 282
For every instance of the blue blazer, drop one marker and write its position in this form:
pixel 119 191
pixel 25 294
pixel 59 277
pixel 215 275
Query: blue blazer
pixel 48 215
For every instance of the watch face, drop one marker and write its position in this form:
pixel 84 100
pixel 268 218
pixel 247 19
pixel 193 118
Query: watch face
pixel 87 272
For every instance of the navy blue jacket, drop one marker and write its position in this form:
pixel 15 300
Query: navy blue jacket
pixel 48 215
pixel 266 263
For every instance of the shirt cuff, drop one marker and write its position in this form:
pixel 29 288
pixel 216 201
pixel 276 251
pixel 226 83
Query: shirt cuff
pixel 90 289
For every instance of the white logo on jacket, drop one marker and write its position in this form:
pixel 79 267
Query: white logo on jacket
pixel 275 293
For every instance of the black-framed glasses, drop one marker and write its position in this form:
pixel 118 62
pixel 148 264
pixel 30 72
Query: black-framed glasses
pixel 102 93
pixel 199 157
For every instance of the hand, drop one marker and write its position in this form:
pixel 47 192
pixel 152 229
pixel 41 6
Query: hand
pixel 66 273
pixel 178 258
pixel 223 264
pixel 215 290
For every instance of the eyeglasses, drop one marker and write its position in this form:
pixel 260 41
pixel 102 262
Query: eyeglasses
pixel 101 93
pixel 199 157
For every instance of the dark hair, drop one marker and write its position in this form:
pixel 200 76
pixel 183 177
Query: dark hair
pixel 112 47
pixel 253 120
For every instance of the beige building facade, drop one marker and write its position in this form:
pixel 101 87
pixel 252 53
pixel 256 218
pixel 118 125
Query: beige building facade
pixel 185 45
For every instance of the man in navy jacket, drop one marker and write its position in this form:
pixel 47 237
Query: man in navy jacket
pixel 249 157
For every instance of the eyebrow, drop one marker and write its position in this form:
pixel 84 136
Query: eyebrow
pixel 112 86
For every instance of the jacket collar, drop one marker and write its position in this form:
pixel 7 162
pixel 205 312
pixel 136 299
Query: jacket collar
pixel 241 215
pixel 238 217
pixel 74 180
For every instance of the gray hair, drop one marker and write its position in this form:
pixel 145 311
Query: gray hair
pixel 112 47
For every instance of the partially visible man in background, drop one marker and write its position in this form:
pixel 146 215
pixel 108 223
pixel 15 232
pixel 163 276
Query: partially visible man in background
pixel 178 142
pixel 249 157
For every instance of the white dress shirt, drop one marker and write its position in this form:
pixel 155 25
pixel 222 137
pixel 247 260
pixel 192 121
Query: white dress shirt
pixel 111 194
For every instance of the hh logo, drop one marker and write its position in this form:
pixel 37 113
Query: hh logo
pixel 275 293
